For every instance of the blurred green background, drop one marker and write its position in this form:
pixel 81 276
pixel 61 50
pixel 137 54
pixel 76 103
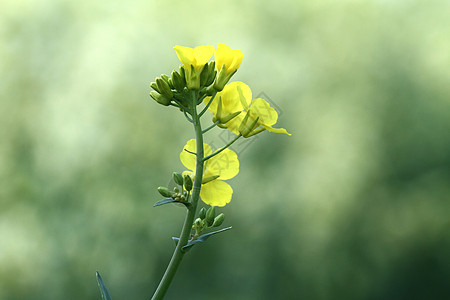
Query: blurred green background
pixel 355 205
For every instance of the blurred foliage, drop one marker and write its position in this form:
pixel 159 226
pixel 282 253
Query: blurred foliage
pixel 354 205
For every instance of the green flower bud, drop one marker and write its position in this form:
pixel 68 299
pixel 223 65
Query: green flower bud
pixel 219 220
pixel 176 190
pixel 177 178
pixel 212 73
pixel 170 83
pixel 198 223
pixel 187 182
pixel 202 213
pixel 164 88
pixel 160 98
pixel 207 72
pixel 165 192
pixel 182 74
pixel 177 81
pixel 154 86
pixel 210 215
pixel 165 78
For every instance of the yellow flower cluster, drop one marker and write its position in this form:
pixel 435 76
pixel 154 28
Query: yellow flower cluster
pixel 195 59
pixel 233 108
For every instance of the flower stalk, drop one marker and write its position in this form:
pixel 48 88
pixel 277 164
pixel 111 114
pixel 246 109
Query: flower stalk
pixel 178 253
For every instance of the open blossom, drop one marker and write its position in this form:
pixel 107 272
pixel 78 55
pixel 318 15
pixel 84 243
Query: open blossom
pixel 257 114
pixel 227 63
pixel 197 58
pixel 223 166
pixel 227 58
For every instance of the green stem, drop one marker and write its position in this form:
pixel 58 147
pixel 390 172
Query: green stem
pixel 187 226
pixel 223 148
pixel 207 105
pixel 211 127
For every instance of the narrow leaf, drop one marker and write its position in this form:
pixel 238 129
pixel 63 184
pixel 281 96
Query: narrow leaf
pixel 103 289
pixel 203 238
pixel 170 200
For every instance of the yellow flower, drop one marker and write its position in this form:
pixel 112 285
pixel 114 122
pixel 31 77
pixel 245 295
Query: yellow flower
pixel 193 60
pixel 259 115
pixel 225 105
pixel 227 63
pixel 222 166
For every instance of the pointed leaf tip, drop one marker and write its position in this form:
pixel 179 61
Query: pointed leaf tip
pixel 170 200
pixel 104 291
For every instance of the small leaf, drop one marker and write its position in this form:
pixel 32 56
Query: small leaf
pixel 203 238
pixel 170 200
pixel 103 289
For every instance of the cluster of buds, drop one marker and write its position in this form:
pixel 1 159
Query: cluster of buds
pixel 207 219
pixel 185 183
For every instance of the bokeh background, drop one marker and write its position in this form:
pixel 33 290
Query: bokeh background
pixel 354 205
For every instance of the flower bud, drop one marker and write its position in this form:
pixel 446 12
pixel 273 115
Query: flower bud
pixel 170 83
pixel 187 182
pixel 160 98
pixel 210 215
pixel 212 73
pixel 207 72
pixel 164 88
pixel 154 86
pixel 198 223
pixel 176 190
pixel 177 81
pixel 219 220
pixel 165 192
pixel 202 213
pixel 177 178
pixel 182 74
pixel 165 78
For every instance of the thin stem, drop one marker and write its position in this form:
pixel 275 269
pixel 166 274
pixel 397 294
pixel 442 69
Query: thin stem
pixel 207 105
pixel 187 226
pixel 223 148
pixel 211 127
pixel 187 117
pixel 201 99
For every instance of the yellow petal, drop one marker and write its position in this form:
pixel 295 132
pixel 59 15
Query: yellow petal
pixel 185 55
pixel 188 159
pixel 230 58
pixel 276 130
pixel 261 108
pixel 225 164
pixel 216 193
pixel 233 124
pixel 230 96
pixel 237 60
pixel 202 54
pixel 222 56
pixel 235 96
